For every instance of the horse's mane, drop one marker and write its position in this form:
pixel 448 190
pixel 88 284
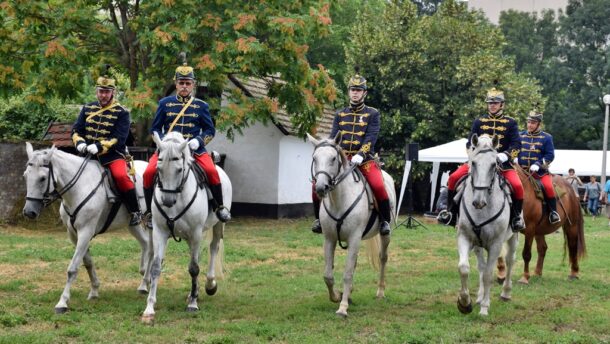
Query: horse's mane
pixel 172 141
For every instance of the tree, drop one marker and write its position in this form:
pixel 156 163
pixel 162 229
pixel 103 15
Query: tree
pixel 329 50
pixel 49 47
pixel 429 74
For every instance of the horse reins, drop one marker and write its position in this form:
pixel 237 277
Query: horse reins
pixel 171 221
pixel 49 196
pixel 334 181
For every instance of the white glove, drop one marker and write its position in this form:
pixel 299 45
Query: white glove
pixel 193 144
pixel 502 157
pixel 516 161
pixel 534 168
pixel 357 159
pixel 92 148
pixel 82 147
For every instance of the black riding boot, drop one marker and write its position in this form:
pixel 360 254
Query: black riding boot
pixel 449 215
pixel 222 212
pixel 517 221
pixel 386 216
pixel 148 195
pixel 553 214
pixel 131 202
pixel 316 227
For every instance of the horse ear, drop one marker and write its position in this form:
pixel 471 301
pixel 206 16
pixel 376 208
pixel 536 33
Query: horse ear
pixel 495 141
pixel 51 151
pixel 156 139
pixel 183 145
pixel 312 139
pixel 29 149
pixel 474 140
pixel 337 138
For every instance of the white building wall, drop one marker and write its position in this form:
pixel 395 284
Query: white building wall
pixel 294 174
pixel 492 8
pixel 252 163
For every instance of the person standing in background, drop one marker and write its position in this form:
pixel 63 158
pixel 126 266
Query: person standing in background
pixel 593 191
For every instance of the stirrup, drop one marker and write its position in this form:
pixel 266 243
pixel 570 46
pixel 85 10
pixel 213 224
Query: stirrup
pixel 384 228
pixel 316 227
pixel 554 217
pixel 445 217
pixel 147 219
pixel 136 218
pixel 223 214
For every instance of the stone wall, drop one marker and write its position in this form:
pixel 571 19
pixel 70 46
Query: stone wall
pixel 13 159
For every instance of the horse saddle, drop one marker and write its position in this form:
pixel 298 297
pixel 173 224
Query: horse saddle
pixel 112 191
pixel 539 189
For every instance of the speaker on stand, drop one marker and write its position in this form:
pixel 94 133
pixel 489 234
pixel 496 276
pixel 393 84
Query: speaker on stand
pixel 411 154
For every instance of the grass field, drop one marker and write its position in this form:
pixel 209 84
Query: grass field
pixel 274 292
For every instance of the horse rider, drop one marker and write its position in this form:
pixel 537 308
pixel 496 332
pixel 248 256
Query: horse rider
pixel 495 122
pixel 101 130
pixel 537 152
pixel 359 126
pixel 191 117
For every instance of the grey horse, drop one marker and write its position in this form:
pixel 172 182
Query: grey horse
pixel 84 209
pixel 342 190
pixel 180 210
pixel 483 224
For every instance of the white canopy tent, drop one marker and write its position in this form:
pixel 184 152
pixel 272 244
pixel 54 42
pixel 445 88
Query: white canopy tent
pixel 584 162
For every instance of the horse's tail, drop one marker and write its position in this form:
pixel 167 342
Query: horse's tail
pixel 578 223
pixel 373 247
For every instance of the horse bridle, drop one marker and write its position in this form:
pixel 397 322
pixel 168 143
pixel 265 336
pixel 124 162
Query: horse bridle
pixel 339 177
pixel 171 221
pixel 493 178
pixel 182 182
pixel 334 181
pixel 49 196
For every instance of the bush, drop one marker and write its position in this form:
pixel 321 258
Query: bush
pixel 21 118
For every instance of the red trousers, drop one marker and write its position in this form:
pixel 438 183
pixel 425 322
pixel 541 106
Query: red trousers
pixel 510 175
pixel 547 182
pixel 372 173
pixel 202 160
pixel 118 170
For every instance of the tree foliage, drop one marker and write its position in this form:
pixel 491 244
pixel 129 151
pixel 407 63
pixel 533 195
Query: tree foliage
pixel 48 48
pixel 429 74
pixel 570 58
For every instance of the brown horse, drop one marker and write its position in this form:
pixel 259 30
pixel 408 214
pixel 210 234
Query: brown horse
pixel 537 226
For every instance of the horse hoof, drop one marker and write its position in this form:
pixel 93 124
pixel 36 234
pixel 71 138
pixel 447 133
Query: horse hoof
pixel 500 280
pixel 211 291
pixel 148 319
pixel 464 309
pixel 524 280
pixel 142 291
pixel 192 309
pixel 61 310
pixel 504 298
pixel 341 314
pixel 572 278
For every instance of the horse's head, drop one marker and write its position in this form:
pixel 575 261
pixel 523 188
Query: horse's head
pixel 173 165
pixel 38 180
pixel 328 159
pixel 483 167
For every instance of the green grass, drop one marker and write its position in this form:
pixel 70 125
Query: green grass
pixel 274 292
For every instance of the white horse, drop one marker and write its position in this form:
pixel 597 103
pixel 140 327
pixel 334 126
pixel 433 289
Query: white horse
pixel 84 209
pixel 483 224
pixel 180 210
pixel 344 217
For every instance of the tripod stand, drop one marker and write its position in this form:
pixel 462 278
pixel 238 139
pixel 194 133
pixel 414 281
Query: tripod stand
pixel 410 221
